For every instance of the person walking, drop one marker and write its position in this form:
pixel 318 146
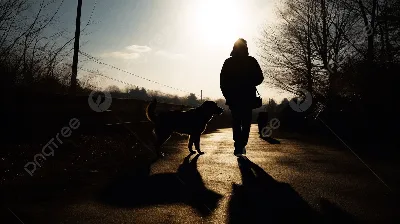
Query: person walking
pixel 239 77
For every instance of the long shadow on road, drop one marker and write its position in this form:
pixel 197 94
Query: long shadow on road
pixel 144 190
pixel 262 199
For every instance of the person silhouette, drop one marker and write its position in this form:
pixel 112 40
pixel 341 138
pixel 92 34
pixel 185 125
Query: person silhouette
pixel 239 77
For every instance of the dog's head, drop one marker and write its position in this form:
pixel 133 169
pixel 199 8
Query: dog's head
pixel 211 107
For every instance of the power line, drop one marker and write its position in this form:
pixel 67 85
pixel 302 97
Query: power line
pixel 94 72
pixel 91 15
pixel 104 76
pixel 130 73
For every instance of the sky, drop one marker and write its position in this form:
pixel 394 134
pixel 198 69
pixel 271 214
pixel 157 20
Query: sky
pixel 178 43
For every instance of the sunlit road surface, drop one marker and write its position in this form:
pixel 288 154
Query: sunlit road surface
pixel 291 182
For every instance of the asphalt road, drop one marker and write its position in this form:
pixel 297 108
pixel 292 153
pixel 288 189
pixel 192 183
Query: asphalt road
pixel 290 182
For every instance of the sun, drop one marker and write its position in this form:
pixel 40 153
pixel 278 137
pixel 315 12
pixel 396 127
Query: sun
pixel 218 22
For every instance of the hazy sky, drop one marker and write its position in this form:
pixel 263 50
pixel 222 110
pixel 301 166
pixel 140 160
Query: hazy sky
pixel 180 43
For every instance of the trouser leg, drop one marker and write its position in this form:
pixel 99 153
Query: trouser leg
pixel 246 124
pixel 237 128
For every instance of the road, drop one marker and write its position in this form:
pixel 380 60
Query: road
pixel 278 183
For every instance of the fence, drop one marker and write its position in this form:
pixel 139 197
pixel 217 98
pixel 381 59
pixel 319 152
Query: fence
pixel 32 118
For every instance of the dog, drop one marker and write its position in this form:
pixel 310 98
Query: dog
pixel 192 122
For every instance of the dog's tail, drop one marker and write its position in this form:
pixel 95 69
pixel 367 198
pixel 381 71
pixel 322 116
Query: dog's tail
pixel 151 111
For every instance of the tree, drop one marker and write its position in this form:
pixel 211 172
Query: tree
pixel 30 51
pixel 192 100
pixel 271 106
pixel 311 45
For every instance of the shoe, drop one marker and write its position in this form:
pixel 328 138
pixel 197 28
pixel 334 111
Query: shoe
pixel 237 153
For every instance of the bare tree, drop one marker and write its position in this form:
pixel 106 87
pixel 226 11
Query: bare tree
pixel 312 45
pixel 288 52
pixel 32 44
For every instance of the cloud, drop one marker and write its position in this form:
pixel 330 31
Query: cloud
pixel 131 52
pixel 122 55
pixel 135 52
pixel 138 48
pixel 169 55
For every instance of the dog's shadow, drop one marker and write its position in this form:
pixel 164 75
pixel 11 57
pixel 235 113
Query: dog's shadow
pixel 144 190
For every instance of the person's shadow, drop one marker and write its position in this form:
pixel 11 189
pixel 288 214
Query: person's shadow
pixel 144 190
pixel 270 140
pixel 262 199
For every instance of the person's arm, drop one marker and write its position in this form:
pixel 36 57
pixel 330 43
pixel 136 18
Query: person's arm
pixel 257 73
pixel 223 78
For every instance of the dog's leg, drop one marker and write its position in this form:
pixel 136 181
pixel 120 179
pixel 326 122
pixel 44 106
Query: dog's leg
pixel 190 144
pixel 196 139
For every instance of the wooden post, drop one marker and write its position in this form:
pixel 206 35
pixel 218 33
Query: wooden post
pixel 74 75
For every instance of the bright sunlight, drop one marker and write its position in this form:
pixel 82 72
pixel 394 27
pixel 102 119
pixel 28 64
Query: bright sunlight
pixel 218 22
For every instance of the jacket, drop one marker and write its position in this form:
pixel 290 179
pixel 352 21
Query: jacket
pixel 238 80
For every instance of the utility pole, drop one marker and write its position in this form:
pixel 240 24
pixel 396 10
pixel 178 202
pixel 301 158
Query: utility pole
pixel 201 96
pixel 72 90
